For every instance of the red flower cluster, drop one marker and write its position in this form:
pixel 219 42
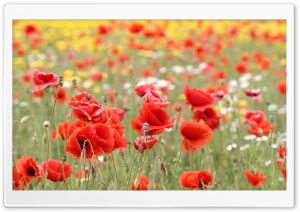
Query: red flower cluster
pixel 259 125
pixel 197 99
pixel 57 170
pixel 141 143
pixel 142 183
pixel 209 116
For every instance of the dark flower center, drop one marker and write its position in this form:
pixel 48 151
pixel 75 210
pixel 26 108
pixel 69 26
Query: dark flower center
pixel 81 143
pixel 31 171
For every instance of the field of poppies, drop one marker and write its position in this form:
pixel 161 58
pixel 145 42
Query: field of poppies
pixel 149 105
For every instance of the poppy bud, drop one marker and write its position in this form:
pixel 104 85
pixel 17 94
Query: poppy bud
pixel 116 93
pixel 105 99
pixel 83 155
pixel 88 97
pixel 64 158
pixel 253 171
pixel 125 109
pixel 74 81
pixel 178 108
pixel 60 79
pixel 24 119
pixel 260 132
pixel 164 169
pixel 122 154
pixel 46 124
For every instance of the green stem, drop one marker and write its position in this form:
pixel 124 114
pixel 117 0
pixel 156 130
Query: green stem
pixel 176 165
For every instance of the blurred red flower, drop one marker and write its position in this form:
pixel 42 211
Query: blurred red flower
pixel 79 174
pixel 57 170
pixel 42 80
pixel 283 171
pixel 97 77
pixel 142 183
pixel 142 89
pixel 253 92
pixel 31 29
pixel 154 116
pixel 197 99
pixel 141 143
pixel 209 116
pixel 256 179
pixel 60 96
pixel 241 68
pixel 153 96
pixel 254 117
pixel 195 179
pixel 195 136
pixel 282 152
pixel 281 86
pixel 64 127
pixel 261 129
pixel 136 28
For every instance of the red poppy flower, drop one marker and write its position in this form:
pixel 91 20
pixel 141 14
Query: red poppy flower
pixel 254 117
pixel 154 116
pixel 97 77
pixel 209 116
pixel 38 94
pixel 219 75
pixel 61 96
pixel 123 58
pixel 53 135
pixel 28 167
pixel 57 170
pixel 16 44
pixel 261 129
pixel 30 29
pixel 86 111
pixel 279 162
pixel 110 63
pixel 147 73
pixel 136 28
pixel 153 96
pixel 195 179
pixel 283 171
pixel 103 30
pixel 253 92
pixel 119 141
pixel 198 99
pixel 188 43
pixel 19 179
pixel 195 136
pixel 79 174
pixel 241 68
pixel 142 89
pixel 141 144
pixel 282 152
pixel 281 86
pixel 256 179
pixel 64 127
pixel 142 183
pixel 94 138
pixel 42 80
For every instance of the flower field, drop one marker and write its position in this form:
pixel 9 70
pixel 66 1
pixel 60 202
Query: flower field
pixel 149 105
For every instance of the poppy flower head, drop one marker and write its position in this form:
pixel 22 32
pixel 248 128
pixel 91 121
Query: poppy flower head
pixel 254 117
pixel 142 183
pixel 30 30
pixel 256 179
pixel 28 167
pixel 281 86
pixel 241 68
pixel 197 99
pixel 157 119
pixel 142 89
pixel 283 171
pixel 195 136
pixel 282 152
pixel 253 92
pixel 263 128
pixel 195 179
pixel 60 96
pixel 153 96
pixel 42 80
pixel 57 170
pixel 141 143
pixel 136 28
pixel 209 116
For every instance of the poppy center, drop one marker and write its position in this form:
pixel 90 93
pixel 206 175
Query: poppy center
pixel 81 143
pixel 31 171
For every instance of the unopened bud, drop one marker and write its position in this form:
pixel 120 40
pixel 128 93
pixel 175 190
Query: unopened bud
pixel 88 97
pixel 122 154
pixel 164 169
pixel 24 119
pixel 178 108
pixel 116 93
pixel 60 80
pixel 94 172
pixel 126 109
pixel 74 81
pixel 260 132
pixel 46 124
pixel 64 158
pixel 105 99
pixel 253 171
pixel 83 155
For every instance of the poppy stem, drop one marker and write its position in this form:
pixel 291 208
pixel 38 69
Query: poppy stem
pixel 130 173
pixel 211 167
pixel 112 155
pixel 67 137
pixel 176 165
pixel 272 156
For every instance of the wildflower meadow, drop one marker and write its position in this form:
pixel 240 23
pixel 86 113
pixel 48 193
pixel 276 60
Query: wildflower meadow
pixel 149 105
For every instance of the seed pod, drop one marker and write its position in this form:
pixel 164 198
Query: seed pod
pixel 74 81
pixel 46 124
pixel 64 158
pixel 164 169
pixel 94 172
pixel 24 119
pixel 83 155
pixel 105 99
